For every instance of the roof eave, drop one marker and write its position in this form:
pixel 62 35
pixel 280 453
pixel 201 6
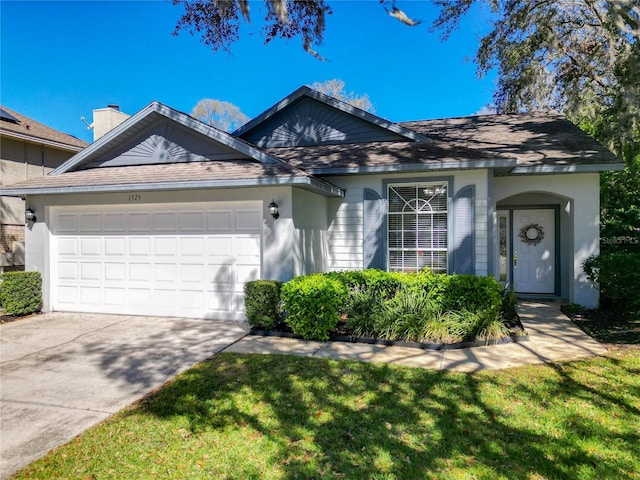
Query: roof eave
pixel 41 141
pixel 415 167
pixel 319 186
pixel 550 169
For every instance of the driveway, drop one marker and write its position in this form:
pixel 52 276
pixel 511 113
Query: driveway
pixel 61 373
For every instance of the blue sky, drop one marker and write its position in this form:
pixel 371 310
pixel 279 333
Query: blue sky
pixel 60 60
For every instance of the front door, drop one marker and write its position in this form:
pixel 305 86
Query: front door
pixel 534 251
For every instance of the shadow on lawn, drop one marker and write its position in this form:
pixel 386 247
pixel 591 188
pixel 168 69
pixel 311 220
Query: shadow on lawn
pixel 358 420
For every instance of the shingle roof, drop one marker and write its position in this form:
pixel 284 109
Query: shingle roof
pixel 354 158
pixel 30 129
pixel 535 139
pixel 171 175
pixel 519 143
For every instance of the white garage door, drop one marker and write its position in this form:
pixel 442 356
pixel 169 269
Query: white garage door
pixel 188 260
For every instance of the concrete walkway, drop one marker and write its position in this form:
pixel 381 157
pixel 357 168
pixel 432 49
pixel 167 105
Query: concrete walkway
pixel 552 338
pixel 62 373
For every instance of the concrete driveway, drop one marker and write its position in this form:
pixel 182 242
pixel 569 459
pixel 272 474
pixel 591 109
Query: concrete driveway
pixel 61 373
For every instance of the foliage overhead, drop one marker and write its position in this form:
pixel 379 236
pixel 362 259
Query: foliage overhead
pixel 581 57
pixel 335 88
pixel 217 113
pixel 218 21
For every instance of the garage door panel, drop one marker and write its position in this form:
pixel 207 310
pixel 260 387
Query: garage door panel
pixel 115 271
pixel 220 221
pixel 115 296
pixel 165 246
pixel 90 271
pixel 68 271
pixel 67 223
pixel 90 295
pixel 90 223
pixel 192 247
pixel 165 222
pixel 90 246
pixel 192 261
pixel 140 222
pixel 68 247
pixel 115 246
pixel 193 222
pixel 248 220
pixel 140 246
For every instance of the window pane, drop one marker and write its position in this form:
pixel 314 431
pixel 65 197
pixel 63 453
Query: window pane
pixel 417 227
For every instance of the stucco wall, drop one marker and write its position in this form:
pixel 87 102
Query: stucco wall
pixel 310 228
pixel 345 216
pixel 580 230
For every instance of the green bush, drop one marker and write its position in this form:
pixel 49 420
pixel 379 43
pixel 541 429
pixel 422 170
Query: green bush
pixel 262 303
pixel 314 304
pixel 618 275
pixel 21 292
pixel 403 317
pixel 472 293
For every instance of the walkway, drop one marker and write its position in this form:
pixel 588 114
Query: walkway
pixel 552 338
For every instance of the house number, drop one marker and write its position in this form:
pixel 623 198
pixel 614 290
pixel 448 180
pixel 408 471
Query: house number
pixel 135 197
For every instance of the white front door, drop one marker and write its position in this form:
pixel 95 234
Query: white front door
pixel 534 252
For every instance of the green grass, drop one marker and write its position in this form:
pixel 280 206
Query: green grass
pixel 285 417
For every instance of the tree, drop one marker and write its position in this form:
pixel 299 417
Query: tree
pixel 335 88
pixel 218 21
pixel 581 57
pixel 223 115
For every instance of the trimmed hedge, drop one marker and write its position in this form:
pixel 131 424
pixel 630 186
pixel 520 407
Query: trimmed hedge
pixel 262 303
pixel 21 292
pixel 313 304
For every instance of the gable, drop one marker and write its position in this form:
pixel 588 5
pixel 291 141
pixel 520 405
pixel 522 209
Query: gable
pixel 310 122
pixel 164 142
pixel 159 134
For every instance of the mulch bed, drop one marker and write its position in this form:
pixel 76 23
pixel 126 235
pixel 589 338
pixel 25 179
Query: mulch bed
pixel 607 326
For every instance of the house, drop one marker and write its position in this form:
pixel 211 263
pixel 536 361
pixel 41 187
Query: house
pixel 165 215
pixel 28 149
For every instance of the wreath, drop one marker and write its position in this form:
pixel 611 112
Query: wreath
pixel 531 234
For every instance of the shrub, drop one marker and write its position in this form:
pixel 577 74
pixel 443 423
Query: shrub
pixel 488 326
pixel 404 316
pixel 473 293
pixel 262 303
pixel 618 275
pixel 21 292
pixel 314 304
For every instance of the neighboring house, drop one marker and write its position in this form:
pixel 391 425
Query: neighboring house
pixel 165 215
pixel 28 149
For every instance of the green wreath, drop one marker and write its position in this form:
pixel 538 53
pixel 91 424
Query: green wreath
pixel 531 234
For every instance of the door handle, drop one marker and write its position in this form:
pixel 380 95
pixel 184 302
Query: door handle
pixel 515 259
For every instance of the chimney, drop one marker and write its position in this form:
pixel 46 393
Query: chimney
pixel 106 119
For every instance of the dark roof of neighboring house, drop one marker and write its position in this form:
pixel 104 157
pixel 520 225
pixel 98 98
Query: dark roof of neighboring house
pixel 536 140
pixel 31 130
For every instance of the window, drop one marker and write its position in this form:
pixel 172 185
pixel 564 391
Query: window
pixel 417 227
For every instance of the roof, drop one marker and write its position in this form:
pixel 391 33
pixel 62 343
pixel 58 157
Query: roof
pixel 541 142
pixel 174 176
pixel 28 129
pixel 377 157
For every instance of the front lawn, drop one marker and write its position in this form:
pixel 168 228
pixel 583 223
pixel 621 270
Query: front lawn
pixel 284 417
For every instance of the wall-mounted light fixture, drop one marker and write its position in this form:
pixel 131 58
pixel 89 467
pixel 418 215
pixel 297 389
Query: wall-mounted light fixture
pixel 273 210
pixel 30 216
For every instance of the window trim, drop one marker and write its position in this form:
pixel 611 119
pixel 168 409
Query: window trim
pixel 417 181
